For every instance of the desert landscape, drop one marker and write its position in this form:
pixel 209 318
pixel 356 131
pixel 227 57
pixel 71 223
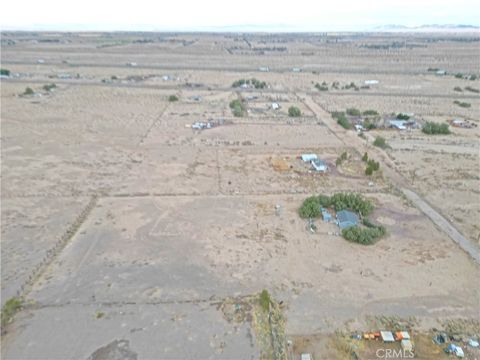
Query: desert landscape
pixel 150 194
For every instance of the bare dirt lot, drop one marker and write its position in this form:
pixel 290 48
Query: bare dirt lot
pixel 125 230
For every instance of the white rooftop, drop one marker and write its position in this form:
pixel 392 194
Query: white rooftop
pixel 387 336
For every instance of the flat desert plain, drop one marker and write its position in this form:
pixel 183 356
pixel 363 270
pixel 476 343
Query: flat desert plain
pixel 127 233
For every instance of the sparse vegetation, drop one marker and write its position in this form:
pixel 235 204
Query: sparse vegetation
pixel 370 113
pixel 99 314
pixel 28 91
pixel 380 142
pixel 433 128
pixel 9 310
pixel 294 111
pixel 365 157
pixel 257 84
pixel 401 116
pixel 372 166
pixel 173 98
pixel 4 72
pixel 353 112
pixel 462 104
pixel 49 87
pixel 322 87
pixel 238 108
pixel 369 124
pixel 471 89
pixel 265 300
pixel 341 158
pixel 342 119
pixel 351 86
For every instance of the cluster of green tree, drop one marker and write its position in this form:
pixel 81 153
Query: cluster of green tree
pixel 466 77
pixel 372 165
pixel 380 142
pixel 342 119
pixel 4 72
pixel 432 128
pixel 294 111
pixel 339 201
pixel 257 84
pixel 367 234
pixel 336 85
pixel 341 158
pixel 173 98
pixel 49 87
pixel 462 104
pixel 401 116
pixel 457 88
pixel 238 108
pixel 364 235
pixel 322 87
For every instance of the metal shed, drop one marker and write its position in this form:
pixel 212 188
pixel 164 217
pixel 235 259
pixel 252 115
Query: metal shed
pixel 319 165
pixel 346 219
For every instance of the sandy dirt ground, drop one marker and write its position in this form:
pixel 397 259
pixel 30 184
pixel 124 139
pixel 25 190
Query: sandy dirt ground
pixel 124 229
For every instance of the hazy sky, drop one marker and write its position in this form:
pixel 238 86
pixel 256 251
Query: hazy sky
pixel 293 15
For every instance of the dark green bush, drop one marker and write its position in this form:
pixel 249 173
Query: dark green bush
pixel 49 87
pixel 339 201
pixel 173 98
pixel 9 309
pixel 380 142
pixel 238 108
pixel 322 87
pixel 457 88
pixel 257 84
pixel 294 111
pixel 370 113
pixel 471 89
pixel 401 116
pixel 28 91
pixel 265 300
pixel 462 104
pixel 353 112
pixel 4 72
pixel 364 235
pixel 344 122
pixel 433 128
pixel 310 208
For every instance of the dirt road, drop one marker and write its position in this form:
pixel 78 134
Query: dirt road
pixel 350 138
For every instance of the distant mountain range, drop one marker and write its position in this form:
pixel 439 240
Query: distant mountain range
pixel 429 27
